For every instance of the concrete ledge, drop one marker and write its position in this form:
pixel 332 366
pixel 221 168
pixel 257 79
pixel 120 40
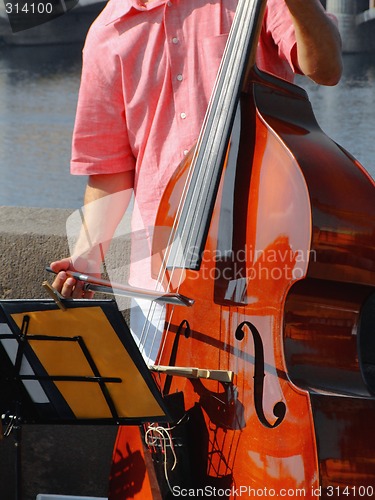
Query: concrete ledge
pixel 30 239
pixel 65 460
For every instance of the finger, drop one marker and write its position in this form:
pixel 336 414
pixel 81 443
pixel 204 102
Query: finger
pixel 87 294
pixel 61 265
pixel 59 281
pixel 68 287
pixel 78 291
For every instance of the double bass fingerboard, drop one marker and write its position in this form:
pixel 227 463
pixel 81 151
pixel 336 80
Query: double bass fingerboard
pixel 195 211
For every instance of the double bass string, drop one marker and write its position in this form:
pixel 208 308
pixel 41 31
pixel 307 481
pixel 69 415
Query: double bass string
pixel 215 130
pixel 212 145
pixel 193 181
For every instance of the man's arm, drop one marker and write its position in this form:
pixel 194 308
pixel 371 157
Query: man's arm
pixel 106 200
pixel 318 41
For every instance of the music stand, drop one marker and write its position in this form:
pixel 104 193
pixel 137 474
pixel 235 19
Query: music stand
pixel 74 365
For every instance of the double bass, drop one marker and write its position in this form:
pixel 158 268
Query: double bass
pixel 268 227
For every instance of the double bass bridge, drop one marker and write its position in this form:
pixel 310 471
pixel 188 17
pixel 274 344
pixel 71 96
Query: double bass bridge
pixel 224 376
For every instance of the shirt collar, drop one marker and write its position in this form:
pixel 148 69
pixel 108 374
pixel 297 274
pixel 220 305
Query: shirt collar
pixel 119 8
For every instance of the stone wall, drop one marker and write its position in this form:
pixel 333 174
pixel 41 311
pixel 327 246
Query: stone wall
pixel 65 460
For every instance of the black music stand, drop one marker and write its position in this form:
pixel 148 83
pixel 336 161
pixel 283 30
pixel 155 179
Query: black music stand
pixel 70 365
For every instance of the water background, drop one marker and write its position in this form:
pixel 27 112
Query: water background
pixel 38 96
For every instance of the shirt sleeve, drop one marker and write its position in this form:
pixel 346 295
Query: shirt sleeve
pixel 277 51
pixel 100 139
pixel 280 27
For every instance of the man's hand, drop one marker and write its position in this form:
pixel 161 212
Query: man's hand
pixel 67 286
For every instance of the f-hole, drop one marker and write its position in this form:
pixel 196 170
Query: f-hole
pixel 184 328
pixel 279 408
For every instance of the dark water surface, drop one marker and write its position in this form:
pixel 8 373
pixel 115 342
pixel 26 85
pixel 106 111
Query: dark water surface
pixel 346 112
pixel 38 95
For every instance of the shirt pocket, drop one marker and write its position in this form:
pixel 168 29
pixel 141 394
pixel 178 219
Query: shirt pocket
pixel 211 53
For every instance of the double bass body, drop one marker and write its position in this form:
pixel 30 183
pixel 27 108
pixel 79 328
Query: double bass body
pixel 284 301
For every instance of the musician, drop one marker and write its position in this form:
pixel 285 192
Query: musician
pixel 148 71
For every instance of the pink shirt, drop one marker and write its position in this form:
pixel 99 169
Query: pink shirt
pixel 141 102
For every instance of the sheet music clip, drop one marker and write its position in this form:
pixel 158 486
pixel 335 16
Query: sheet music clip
pixel 55 295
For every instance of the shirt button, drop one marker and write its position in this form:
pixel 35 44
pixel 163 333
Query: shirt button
pixel 183 115
pixel 175 40
pixel 186 152
pixel 179 78
pixel 169 4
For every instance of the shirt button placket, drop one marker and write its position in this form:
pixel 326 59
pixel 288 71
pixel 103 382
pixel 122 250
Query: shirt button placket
pixel 176 50
pixel 179 77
